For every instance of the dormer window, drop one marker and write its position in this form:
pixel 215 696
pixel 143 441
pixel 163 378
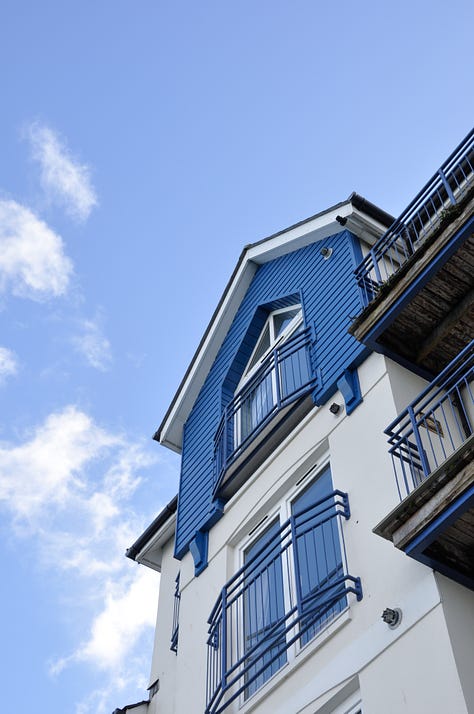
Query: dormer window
pixel 278 327
pixel 277 374
pixel 258 387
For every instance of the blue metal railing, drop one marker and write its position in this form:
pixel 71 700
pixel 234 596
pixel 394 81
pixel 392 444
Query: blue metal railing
pixel 434 425
pixel 286 593
pixel 454 178
pixel 284 376
pixel 175 627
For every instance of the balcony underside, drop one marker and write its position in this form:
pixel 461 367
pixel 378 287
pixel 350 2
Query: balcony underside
pixel 424 315
pixel 435 523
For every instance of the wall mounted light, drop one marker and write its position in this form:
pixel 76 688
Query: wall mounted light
pixel 326 253
pixel 392 617
pixel 342 220
pixel 335 408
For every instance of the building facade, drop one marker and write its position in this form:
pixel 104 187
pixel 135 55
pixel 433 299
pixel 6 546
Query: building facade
pixel 319 557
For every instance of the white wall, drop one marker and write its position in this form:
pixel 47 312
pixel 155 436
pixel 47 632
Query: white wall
pixel 163 665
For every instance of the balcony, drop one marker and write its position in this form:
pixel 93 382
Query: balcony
pixel 432 445
pixel 416 281
pixel 258 415
pixel 290 588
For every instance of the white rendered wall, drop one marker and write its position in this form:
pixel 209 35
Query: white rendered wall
pixel 163 667
pixel 458 606
pixel 404 668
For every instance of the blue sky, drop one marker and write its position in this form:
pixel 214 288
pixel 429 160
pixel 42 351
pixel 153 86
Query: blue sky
pixel 142 144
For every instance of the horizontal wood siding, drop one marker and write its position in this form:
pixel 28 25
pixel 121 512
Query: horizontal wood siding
pixel 330 296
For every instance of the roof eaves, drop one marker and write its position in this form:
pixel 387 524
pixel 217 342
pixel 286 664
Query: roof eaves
pixel 166 514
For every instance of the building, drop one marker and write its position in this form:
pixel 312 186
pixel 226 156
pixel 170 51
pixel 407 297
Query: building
pixel 319 557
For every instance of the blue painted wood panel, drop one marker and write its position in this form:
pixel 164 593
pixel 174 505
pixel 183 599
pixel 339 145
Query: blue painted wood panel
pixel 329 296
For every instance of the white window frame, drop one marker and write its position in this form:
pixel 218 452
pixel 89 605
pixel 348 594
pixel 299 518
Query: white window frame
pixel 274 341
pixel 292 326
pixel 281 511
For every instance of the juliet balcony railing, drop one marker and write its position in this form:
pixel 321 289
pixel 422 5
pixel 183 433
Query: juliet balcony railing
pixel 283 596
pixel 435 425
pixel 435 202
pixel 284 376
pixel 175 626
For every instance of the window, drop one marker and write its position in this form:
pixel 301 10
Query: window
pixel 292 582
pixel 318 556
pixel 278 373
pixel 262 394
pixel 264 609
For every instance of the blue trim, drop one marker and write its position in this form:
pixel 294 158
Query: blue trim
pixel 441 522
pixel 415 549
pixel 199 549
pixel 443 256
pixel 349 386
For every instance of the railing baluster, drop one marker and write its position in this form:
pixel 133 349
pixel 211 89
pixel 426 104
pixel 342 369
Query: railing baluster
pixel 430 202
pixel 440 412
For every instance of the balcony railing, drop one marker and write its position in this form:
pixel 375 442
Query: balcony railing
pixel 284 376
pixel 175 627
pixel 435 202
pixel 281 598
pixel 437 423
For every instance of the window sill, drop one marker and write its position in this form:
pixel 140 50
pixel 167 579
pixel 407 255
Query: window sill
pixel 301 656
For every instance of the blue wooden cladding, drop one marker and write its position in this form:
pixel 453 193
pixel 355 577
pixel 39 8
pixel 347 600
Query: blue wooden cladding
pixel 329 297
pixel 256 619
pixel 435 424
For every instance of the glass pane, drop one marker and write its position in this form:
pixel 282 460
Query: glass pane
pixel 282 319
pixel 262 346
pixel 318 558
pixel 264 610
pixel 256 406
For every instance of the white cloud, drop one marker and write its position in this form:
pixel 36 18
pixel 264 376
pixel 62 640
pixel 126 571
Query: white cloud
pixel 117 628
pixel 69 487
pixel 63 178
pixel 93 345
pixel 32 259
pixel 48 470
pixel 8 364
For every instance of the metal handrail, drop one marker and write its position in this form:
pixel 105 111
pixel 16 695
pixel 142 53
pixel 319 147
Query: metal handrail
pixel 434 425
pixel 425 213
pixel 284 376
pixel 238 658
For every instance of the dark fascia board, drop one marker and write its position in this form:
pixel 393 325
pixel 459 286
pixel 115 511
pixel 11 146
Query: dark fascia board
pixel 378 214
pixel 167 512
pixel 127 708
pixel 358 202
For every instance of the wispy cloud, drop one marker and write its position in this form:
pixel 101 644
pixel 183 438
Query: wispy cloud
pixel 32 259
pixel 92 344
pixel 8 364
pixel 63 178
pixel 69 488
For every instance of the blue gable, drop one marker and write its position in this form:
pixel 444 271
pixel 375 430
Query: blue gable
pixel 329 296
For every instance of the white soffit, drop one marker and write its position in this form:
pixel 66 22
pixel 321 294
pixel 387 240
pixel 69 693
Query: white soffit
pixel 151 553
pixel 310 231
